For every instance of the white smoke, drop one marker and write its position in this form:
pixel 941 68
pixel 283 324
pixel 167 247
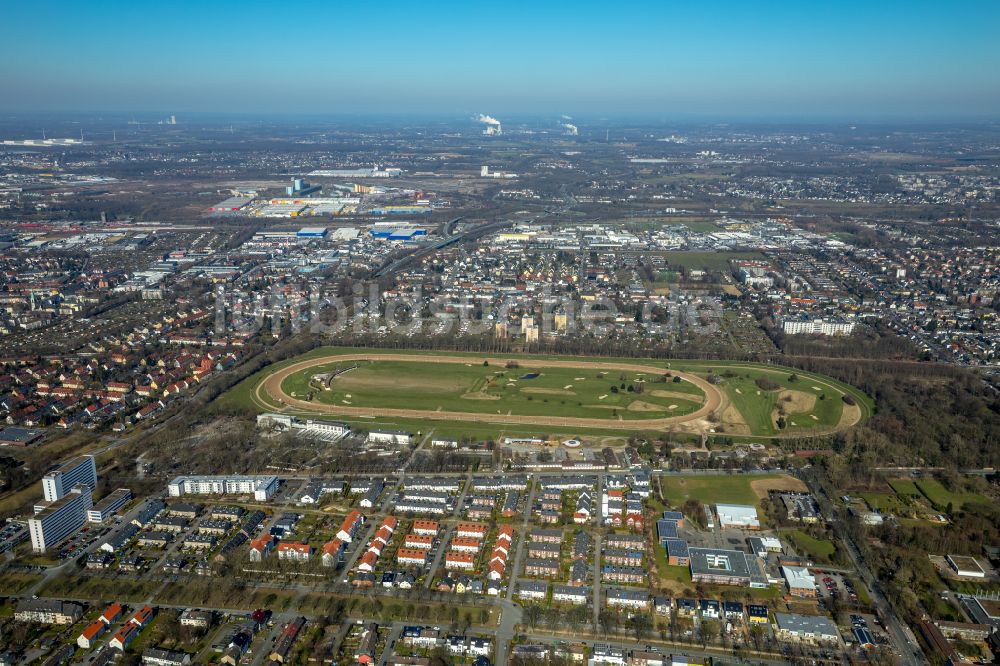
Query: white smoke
pixel 565 117
pixel 570 129
pixel 489 120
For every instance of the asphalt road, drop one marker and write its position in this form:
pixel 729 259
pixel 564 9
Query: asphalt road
pixel 904 643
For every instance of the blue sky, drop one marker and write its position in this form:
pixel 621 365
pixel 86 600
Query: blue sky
pixel 739 59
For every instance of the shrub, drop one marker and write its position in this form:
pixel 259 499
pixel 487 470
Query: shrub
pixel 765 384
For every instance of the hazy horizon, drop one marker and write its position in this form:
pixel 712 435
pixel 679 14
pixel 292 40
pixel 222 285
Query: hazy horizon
pixel 838 61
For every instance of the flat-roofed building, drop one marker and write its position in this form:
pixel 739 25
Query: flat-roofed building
pixel 18 436
pixel 58 482
pixel 666 529
pixel 741 516
pixel 806 628
pixel 109 506
pixel 676 516
pixel 965 566
pixel 677 552
pixel 761 546
pixel 59 519
pixel 719 566
pixel 399 437
pixel 800 507
pixel 261 487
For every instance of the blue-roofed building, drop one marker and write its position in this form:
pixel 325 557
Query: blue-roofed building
pixel 311 232
pixel 864 638
pixel 687 607
pixel 406 234
pixel 677 552
pixel 733 610
pixel 666 529
pixel 676 516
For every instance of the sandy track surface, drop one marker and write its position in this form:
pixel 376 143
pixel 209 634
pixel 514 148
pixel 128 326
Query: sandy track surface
pixel 272 387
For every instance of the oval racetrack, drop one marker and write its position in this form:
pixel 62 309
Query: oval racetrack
pixel 271 385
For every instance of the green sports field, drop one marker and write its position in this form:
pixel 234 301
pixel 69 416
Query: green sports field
pixel 526 390
pixel 723 488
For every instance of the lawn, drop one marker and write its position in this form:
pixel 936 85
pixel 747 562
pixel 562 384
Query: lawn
pixel 727 489
pixel 530 390
pixel 757 407
pixel 941 497
pixel 818 550
pixel 883 501
pixel 674 579
pixel 806 410
pixel 14 583
pixel 906 489
pixel 99 588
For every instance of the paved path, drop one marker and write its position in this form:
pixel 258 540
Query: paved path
pixel 597 535
pixel 515 561
pixel 439 555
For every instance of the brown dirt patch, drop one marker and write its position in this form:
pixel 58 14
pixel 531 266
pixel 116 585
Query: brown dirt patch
pixel 642 406
pixel 784 482
pixel 732 418
pixel 678 395
pixel 800 403
pixel 479 395
pixel 850 416
pixel 547 391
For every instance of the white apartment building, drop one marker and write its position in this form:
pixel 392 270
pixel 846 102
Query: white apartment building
pixel 817 327
pixel 261 487
pixel 109 506
pixel 59 519
pixel 59 481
